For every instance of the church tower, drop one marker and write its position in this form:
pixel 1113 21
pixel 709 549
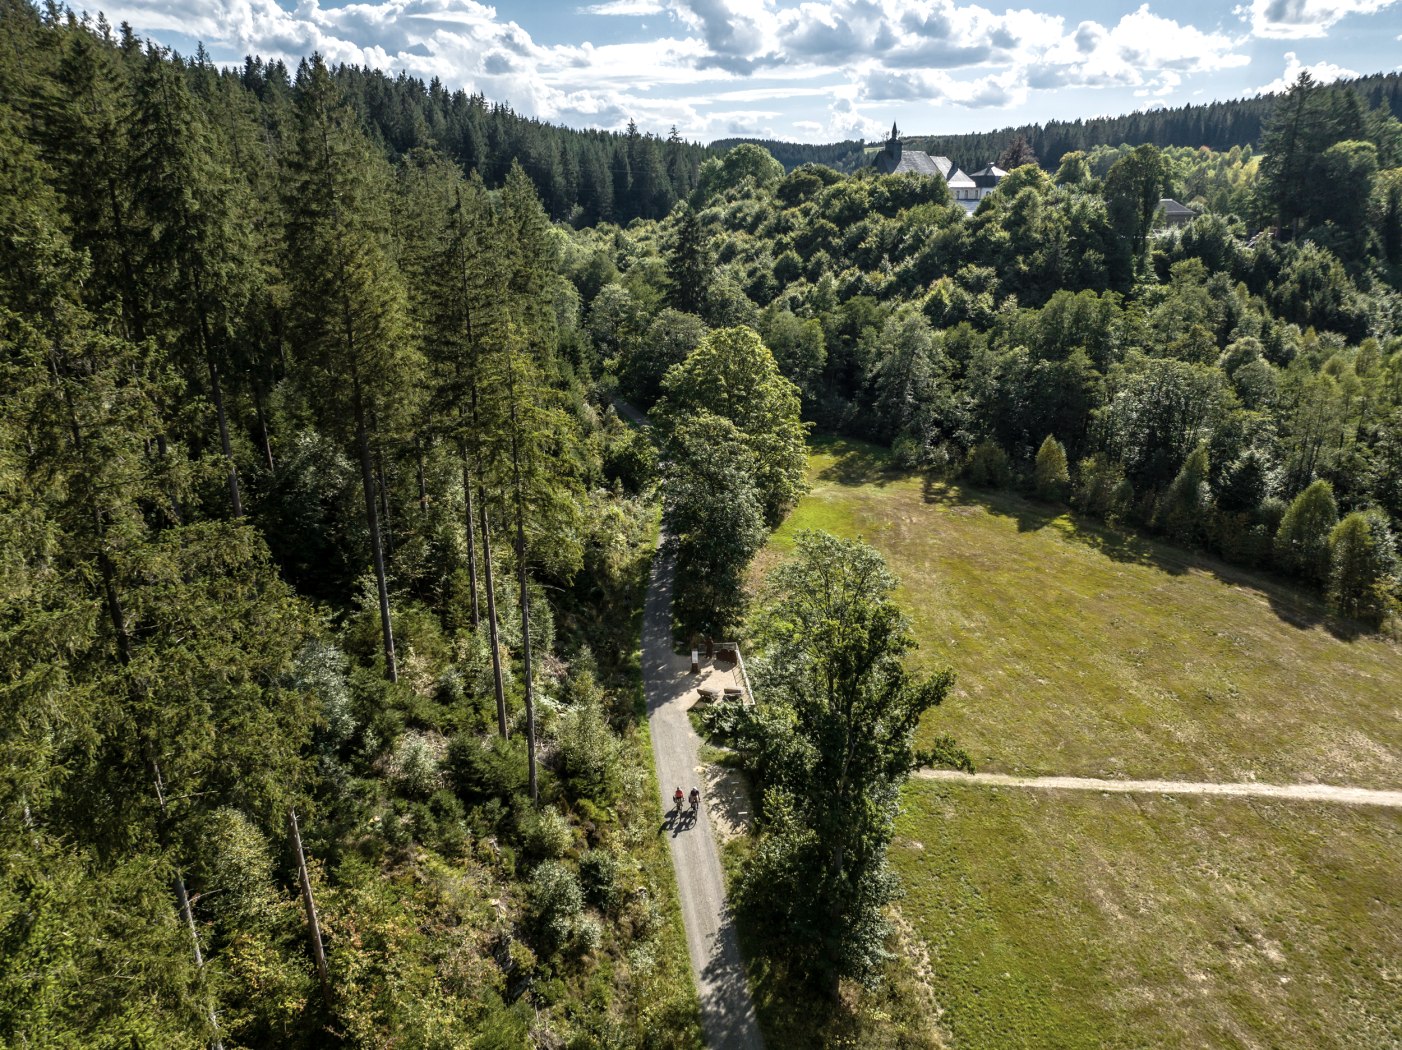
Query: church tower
pixel 893 146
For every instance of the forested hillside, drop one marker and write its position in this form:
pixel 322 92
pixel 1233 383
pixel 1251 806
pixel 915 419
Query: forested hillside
pixel 313 500
pixel 1211 125
pixel 304 510
pixel 1236 392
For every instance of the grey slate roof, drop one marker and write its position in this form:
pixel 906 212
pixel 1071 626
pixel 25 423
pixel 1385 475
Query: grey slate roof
pixel 989 176
pixel 917 161
pixel 1172 209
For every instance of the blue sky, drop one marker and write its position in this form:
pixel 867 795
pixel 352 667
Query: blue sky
pixel 807 70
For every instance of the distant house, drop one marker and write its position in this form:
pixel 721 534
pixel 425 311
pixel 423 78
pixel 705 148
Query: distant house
pixel 1175 214
pixel 895 159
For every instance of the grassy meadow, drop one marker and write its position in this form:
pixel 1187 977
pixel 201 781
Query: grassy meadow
pixel 1087 651
pixel 1072 919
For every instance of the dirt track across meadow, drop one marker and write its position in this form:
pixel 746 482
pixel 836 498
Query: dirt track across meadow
pixel 1351 796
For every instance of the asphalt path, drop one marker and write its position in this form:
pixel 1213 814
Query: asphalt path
pixel 727 1010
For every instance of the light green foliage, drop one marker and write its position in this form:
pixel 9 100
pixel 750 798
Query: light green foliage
pixel 733 375
pixel 745 161
pixel 1183 511
pixel 555 905
pixel 1363 567
pixel 1302 541
pixel 588 753
pixel 545 833
pixel 1051 477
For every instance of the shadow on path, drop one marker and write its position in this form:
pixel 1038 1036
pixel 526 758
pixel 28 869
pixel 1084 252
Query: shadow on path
pixel 727 1009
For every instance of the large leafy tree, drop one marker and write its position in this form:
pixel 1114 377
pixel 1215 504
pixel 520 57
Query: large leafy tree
pixel 712 509
pixel 733 375
pixel 1302 540
pixel 839 711
pixel 1363 567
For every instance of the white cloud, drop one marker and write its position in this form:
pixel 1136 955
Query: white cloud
pixel 1323 72
pixel 624 7
pixel 1298 19
pixel 718 55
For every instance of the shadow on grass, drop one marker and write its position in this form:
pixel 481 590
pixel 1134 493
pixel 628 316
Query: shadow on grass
pixel 857 462
pixel 792 1014
pixel 1290 604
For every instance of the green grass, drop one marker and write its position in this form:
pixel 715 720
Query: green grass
pixel 1081 920
pixel 1089 651
pixel 1068 920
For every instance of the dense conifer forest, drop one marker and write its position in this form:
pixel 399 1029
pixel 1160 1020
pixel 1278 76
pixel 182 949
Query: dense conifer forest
pixel 1216 126
pixel 323 545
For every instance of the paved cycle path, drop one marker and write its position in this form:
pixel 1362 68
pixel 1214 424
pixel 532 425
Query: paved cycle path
pixel 727 1011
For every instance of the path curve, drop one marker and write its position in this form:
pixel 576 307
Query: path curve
pixel 727 1010
pixel 1351 796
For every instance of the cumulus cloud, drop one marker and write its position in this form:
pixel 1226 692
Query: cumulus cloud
pixel 716 56
pixel 1323 72
pixel 1298 19
pixel 624 7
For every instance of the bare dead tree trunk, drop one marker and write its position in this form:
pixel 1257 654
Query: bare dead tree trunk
pixel 419 470
pixel 522 577
pixel 492 621
pixel 372 521
pixel 182 897
pixel 217 392
pixel 471 537
pixel 313 924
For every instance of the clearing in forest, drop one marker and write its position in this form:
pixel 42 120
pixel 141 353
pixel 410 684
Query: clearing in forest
pixel 1076 919
pixel 1088 651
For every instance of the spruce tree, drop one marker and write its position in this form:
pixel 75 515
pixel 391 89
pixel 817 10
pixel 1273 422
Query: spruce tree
pixel 347 298
pixel 197 250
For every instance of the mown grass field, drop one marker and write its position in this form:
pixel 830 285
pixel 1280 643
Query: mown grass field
pixel 1069 920
pixel 1085 651
pixel 1076 920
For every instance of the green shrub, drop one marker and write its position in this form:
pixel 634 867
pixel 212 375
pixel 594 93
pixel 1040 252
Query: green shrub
pixel 481 769
pixel 587 753
pixel 1052 477
pixel 554 905
pixel 414 764
pixel 599 876
pixel 545 833
pixel 988 466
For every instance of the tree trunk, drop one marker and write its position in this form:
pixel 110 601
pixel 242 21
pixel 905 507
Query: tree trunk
pixel 217 392
pixel 262 412
pixel 385 523
pixel 419 470
pixel 471 536
pixel 313 924
pixel 522 577
pixel 182 897
pixel 372 521
pixel 492 620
